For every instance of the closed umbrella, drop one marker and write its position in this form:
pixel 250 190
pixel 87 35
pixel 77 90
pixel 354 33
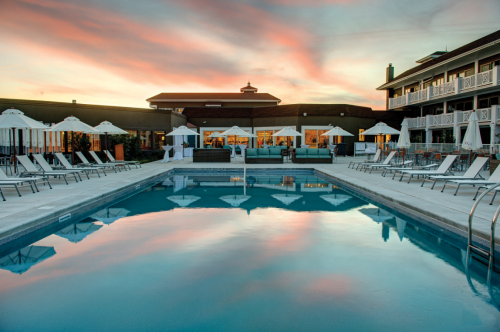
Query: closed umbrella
pixel 404 137
pixel 73 124
pixel 22 260
pixel 107 127
pixel 15 119
pixel 472 139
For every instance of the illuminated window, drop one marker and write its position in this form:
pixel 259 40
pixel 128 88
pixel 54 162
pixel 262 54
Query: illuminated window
pixel 387 138
pixel 159 139
pixel 315 140
pixel 146 140
pixel 179 110
pixel 361 137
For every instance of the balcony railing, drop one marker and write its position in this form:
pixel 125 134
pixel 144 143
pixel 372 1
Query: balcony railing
pixel 462 84
pixel 448 119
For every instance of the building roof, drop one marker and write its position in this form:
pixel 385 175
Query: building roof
pixel 289 110
pixel 466 48
pixel 431 56
pixel 213 96
pixel 248 88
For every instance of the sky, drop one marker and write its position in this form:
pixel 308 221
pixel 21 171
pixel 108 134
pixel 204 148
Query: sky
pixel 121 52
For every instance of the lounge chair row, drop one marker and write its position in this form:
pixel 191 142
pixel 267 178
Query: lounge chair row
pixel 441 172
pixel 32 173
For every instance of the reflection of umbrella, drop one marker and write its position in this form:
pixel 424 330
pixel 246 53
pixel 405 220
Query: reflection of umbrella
pixel 401 227
pixel 110 215
pixel 336 199
pixel 180 182
pixel 183 200
pixel 287 199
pixel 22 260
pixel 77 232
pixel 377 214
pixel 235 200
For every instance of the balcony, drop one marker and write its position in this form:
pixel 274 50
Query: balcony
pixel 447 120
pixel 461 85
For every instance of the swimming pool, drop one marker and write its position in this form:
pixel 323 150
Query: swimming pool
pixel 205 252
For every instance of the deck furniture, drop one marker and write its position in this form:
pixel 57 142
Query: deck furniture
pixel 472 173
pixel 116 164
pixel 211 155
pixel 312 156
pixel 47 168
pixel 443 169
pixel 68 166
pixel 493 179
pixel 128 162
pixel 386 161
pixel 167 149
pixel 375 159
pixel 30 169
pixel 86 163
pixel 264 156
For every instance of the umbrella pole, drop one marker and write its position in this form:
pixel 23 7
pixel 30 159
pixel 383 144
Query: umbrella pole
pixel 106 143
pixel 15 159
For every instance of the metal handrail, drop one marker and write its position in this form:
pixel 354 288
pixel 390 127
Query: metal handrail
pixel 493 223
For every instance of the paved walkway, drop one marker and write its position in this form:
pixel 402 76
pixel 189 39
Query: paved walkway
pixel 18 213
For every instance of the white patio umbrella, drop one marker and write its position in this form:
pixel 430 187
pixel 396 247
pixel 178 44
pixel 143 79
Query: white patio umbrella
pixel 73 124
pixel 286 199
pixel 472 138
pixel 377 214
pixel 15 119
pixel 183 200
pixel 77 232
pixel 182 131
pixel 404 137
pixel 336 199
pixel 22 260
pixel 235 200
pixel 380 129
pixel 287 132
pixel 110 215
pixel 107 127
pixel 216 134
pixel 401 224
pixel 238 132
pixel 337 131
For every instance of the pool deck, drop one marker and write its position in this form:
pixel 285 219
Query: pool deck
pixel 20 213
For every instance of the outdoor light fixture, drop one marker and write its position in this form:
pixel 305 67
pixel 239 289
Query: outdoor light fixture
pixel 341 114
pixel 204 122
pixel 305 114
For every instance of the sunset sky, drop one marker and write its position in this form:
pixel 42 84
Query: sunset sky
pixel 303 51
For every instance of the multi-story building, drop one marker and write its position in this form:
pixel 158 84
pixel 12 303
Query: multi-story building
pixel 443 90
pixel 247 97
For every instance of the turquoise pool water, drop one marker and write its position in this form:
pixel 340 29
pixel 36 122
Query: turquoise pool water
pixel 213 253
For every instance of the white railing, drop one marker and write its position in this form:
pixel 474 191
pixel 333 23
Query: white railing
pixel 484 115
pixel 479 80
pixel 439 147
pixel 416 122
pixel 442 120
pixel 448 119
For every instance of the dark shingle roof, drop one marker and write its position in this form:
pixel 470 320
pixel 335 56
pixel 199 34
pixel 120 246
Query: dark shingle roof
pixel 290 110
pixel 466 48
pixel 214 96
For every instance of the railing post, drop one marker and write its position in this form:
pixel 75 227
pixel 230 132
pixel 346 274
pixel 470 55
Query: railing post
pixel 457 85
pixel 428 131
pixel 456 128
pixel 495 75
pixel 495 129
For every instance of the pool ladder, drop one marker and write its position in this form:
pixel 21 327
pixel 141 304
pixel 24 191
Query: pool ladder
pixel 471 248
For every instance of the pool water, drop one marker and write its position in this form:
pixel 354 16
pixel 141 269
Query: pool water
pixel 217 253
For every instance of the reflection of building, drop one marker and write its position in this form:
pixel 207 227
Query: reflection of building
pixel 443 89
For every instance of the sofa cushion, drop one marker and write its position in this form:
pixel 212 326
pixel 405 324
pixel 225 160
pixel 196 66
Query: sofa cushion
pixel 323 152
pixel 275 151
pixel 322 156
pixel 274 156
pixel 263 156
pixel 252 157
pixel 226 147
pixel 301 156
pixel 251 152
pixel 312 152
pixel 263 152
pixel 301 151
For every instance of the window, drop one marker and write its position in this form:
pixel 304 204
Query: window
pixel 237 140
pixel 216 142
pixel 486 67
pixel 132 133
pixel 146 139
pixel 361 137
pixel 387 138
pixel 314 139
pixel 159 139
pixel 179 110
pixel 95 142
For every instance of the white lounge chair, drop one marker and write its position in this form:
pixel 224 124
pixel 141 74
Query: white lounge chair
pixel 484 188
pixel 66 164
pixel 86 163
pixel 375 159
pixel 47 168
pixel 404 165
pixel 128 162
pixel 387 161
pixel 414 168
pixel 472 173
pixel 99 162
pixel 443 169
pixel 31 180
pixel 494 178
pixel 389 166
pixel 30 169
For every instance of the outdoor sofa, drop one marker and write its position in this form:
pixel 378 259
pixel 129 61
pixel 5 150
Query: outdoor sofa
pixel 211 155
pixel 264 156
pixel 312 156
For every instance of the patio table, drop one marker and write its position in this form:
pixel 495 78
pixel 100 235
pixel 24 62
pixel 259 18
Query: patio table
pixel 243 147
pixel 167 149
pixel 178 152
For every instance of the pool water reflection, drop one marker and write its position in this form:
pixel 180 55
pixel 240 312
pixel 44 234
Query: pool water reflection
pixel 283 253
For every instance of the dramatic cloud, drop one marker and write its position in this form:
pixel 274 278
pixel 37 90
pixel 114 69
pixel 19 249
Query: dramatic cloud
pixel 325 51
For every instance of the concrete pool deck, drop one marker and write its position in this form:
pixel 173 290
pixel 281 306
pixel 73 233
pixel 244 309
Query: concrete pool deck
pixel 20 213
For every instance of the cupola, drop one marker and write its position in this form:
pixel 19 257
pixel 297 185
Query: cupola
pixel 248 88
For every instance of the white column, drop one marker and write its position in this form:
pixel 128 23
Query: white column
pixel 456 129
pixel 445 106
pixel 428 131
pixel 495 129
pixel 476 102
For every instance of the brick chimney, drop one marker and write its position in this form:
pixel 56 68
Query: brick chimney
pixel 389 73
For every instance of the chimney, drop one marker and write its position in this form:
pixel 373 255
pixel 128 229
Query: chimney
pixel 389 73
pixel 74 101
